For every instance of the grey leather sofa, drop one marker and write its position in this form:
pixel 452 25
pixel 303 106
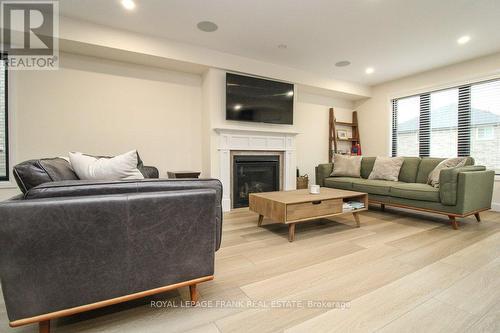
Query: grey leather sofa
pixel 70 246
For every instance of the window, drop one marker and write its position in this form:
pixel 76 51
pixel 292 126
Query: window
pixel 4 142
pixel 407 119
pixel 444 123
pixel 485 123
pixel 461 121
pixel 485 133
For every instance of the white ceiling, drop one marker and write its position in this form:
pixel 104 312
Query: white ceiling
pixel 396 37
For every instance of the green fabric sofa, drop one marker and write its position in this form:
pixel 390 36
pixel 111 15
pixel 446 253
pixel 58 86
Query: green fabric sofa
pixel 463 191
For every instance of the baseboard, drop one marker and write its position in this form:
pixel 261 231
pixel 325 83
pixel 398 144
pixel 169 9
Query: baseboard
pixel 495 206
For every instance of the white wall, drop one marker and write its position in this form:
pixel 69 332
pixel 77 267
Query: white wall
pixel 105 107
pixel 311 119
pixel 108 107
pixel 375 113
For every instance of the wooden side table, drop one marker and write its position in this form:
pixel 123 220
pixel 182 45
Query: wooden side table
pixel 183 174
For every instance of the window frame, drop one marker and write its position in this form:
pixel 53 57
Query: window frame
pixel 6 178
pixel 464 97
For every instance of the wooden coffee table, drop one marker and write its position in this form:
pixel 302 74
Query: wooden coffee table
pixel 291 207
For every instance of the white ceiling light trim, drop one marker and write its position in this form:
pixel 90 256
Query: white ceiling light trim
pixel 128 4
pixel 369 70
pixel 463 40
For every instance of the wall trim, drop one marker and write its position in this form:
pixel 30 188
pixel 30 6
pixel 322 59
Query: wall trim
pixel 495 206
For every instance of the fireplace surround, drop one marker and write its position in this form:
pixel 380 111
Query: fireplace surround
pixel 237 141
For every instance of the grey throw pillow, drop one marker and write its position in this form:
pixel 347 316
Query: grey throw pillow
pixel 455 162
pixel 386 168
pixel 346 166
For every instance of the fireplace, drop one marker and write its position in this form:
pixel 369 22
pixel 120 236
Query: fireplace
pixel 254 173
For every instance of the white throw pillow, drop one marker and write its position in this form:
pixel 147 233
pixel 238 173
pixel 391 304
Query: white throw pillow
pixel 386 168
pixel 454 162
pixel 346 166
pixel 121 167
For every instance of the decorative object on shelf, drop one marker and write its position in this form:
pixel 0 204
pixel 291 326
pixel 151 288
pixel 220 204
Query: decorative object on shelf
pixel 302 181
pixel 334 136
pixel 356 149
pixel 314 189
pixel 342 135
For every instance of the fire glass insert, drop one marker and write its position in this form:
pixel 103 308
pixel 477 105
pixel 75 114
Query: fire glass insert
pixel 254 173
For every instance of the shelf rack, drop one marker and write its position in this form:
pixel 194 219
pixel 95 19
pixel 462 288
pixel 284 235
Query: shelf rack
pixel 333 139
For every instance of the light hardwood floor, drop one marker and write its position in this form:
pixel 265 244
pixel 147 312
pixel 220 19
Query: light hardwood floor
pixel 400 272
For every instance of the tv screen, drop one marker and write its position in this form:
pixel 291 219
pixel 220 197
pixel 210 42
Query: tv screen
pixel 259 100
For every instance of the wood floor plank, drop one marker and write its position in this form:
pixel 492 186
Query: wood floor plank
pixel 383 305
pixel 432 316
pixel 476 293
pixel 490 322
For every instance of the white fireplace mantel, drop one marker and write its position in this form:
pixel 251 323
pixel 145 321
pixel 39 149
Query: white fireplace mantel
pixel 235 139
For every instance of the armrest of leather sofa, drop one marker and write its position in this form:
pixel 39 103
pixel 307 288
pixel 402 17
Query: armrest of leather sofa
pixel 323 171
pixel 456 184
pixel 60 253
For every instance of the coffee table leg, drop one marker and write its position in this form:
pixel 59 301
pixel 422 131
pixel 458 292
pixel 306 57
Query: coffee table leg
pixel 291 232
pixel 356 217
pixel 261 218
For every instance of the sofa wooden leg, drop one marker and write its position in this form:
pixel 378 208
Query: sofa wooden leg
pixel 453 222
pixel 193 293
pixel 44 326
pixel 382 207
pixel 478 218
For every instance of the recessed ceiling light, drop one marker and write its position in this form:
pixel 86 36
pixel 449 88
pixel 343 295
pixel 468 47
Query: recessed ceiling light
pixel 282 46
pixel 463 40
pixel 369 70
pixel 128 4
pixel 207 26
pixel 342 63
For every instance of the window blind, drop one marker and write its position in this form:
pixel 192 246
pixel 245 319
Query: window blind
pixel 464 119
pixel 4 156
pixel 394 127
pixel 425 125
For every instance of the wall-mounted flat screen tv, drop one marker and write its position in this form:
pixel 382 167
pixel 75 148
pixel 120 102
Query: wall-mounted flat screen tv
pixel 258 100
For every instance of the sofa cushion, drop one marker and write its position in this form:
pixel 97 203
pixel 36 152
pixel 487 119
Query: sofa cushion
pixel 344 183
pixel 415 191
pixel 409 169
pixel 346 166
pixel 120 167
pixel 32 173
pixel 372 186
pixel 387 168
pixel 448 163
pixel 367 166
pixel 429 163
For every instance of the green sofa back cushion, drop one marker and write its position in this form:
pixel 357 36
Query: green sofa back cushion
pixel 429 163
pixel 367 166
pixel 409 169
